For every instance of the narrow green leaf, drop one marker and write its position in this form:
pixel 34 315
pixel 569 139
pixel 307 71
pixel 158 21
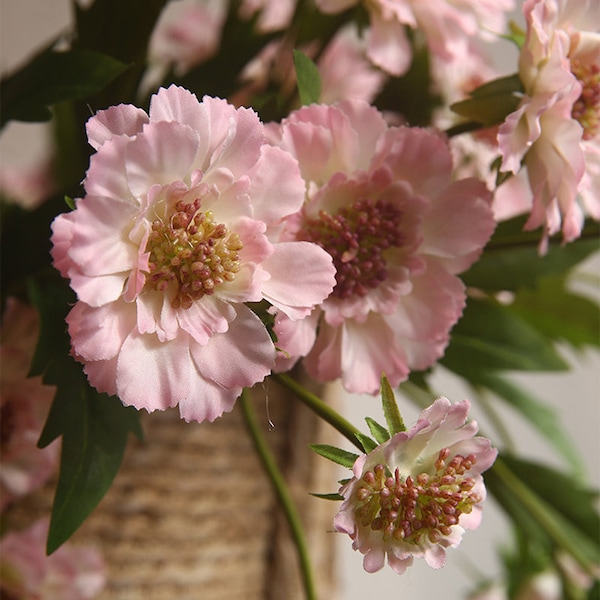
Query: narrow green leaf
pixel 70 202
pixel 538 413
pixel 334 496
pixel 308 77
pixel 391 411
pixel 511 259
pixel 337 455
pixel 491 337
pixel 558 313
pixel 367 443
pixel 379 432
pixel 490 103
pixel 54 77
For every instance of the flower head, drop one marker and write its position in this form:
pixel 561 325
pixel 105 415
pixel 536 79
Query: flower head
pixel 414 495
pixel 381 201
pixel 555 130
pixel 173 237
pixel 70 573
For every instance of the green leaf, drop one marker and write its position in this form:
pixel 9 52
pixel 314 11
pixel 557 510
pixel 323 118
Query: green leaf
pixel 337 455
pixel 511 259
pixel 538 413
pixel 367 443
pixel 391 411
pixel 558 313
pixel 334 496
pixel 54 77
pixel 94 426
pixel 379 432
pixel 70 202
pixel 309 80
pixel 490 337
pixel 490 103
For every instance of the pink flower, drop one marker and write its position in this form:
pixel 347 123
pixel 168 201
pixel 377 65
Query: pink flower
pixel 274 14
pixel 414 495
pixel 173 236
pixel 556 127
pixel 381 200
pixel 446 24
pixel 70 573
pixel 27 186
pixel 24 406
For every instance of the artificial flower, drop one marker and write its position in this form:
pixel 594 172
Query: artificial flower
pixel 70 573
pixel 24 406
pixel 382 201
pixel 446 24
pixel 171 240
pixel 555 129
pixel 414 495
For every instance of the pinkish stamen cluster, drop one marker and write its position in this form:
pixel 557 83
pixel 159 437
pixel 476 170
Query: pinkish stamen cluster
pixel 413 509
pixel 193 251
pixel 357 237
pixel 586 109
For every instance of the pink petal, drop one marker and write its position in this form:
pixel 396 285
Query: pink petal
pixel 374 560
pixel 124 119
pixel 205 318
pixel 207 400
pixel 435 557
pixel 313 280
pixel 388 46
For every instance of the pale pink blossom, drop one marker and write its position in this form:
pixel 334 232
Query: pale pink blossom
pixel 70 573
pixel 187 33
pixel 382 201
pixel 446 24
pixel 173 237
pixel 555 130
pixel 274 15
pixel 27 186
pixel 24 406
pixel 414 495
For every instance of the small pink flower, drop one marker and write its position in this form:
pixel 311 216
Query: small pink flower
pixel 555 130
pixel 274 15
pixel 446 24
pixel 27 186
pixel 414 495
pixel 381 200
pixel 175 235
pixel 70 573
pixel 24 406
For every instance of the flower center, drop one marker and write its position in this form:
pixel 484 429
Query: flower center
pixel 193 252
pixel 586 109
pixel 357 238
pixel 412 510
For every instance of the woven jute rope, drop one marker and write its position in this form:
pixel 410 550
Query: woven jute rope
pixel 191 514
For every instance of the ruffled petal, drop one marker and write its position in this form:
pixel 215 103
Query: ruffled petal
pixel 124 119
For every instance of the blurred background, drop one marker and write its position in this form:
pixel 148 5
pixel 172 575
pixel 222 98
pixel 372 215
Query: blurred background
pixel 26 25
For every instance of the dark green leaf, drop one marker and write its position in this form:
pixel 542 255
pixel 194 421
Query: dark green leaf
pixel 538 413
pixel 94 426
pixel 337 455
pixel 489 337
pixel 308 78
pixel 54 77
pixel 490 103
pixel 366 442
pixel 511 259
pixel 558 313
pixel 379 432
pixel 390 408
pixel 334 496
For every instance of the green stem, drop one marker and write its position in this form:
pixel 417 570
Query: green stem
pixel 540 512
pixel 321 409
pixel 282 492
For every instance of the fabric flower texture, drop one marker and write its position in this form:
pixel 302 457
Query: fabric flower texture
pixel 414 495
pixel 555 131
pixel 381 200
pixel 171 239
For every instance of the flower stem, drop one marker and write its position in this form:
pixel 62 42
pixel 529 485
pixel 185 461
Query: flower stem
pixel 282 492
pixel 321 409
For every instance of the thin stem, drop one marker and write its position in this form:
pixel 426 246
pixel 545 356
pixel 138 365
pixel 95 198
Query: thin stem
pixel 321 409
pixel 282 492
pixel 492 415
pixel 540 512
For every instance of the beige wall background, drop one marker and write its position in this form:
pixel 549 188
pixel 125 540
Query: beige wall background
pixel 27 24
